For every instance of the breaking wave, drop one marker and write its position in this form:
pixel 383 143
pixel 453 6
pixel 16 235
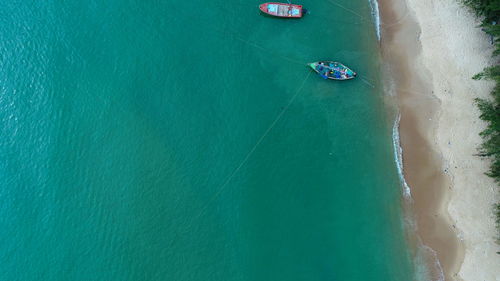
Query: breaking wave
pixel 428 266
pixel 398 156
pixel 376 16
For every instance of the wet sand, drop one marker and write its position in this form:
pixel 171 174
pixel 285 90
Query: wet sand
pixel 419 57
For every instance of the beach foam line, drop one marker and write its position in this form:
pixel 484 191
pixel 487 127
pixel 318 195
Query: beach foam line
pixel 398 157
pixel 427 265
pixel 376 16
pixel 435 272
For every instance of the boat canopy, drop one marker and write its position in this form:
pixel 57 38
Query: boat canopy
pixel 283 10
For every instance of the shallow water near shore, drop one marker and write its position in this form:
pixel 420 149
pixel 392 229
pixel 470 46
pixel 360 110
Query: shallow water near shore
pixel 189 141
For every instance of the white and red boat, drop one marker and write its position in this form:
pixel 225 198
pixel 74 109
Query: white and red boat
pixel 282 10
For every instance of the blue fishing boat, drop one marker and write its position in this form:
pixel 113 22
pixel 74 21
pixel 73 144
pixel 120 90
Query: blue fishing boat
pixel 333 70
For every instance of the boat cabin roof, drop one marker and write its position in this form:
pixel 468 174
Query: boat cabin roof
pixel 283 10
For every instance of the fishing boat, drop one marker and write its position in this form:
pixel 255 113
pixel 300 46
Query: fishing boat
pixel 282 10
pixel 333 70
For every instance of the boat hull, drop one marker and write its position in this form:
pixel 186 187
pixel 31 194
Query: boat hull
pixel 281 10
pixel 333 70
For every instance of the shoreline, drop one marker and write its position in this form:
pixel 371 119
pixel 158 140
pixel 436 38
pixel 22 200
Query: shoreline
pixel 439 133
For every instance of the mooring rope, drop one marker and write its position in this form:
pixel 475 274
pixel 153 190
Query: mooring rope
pixel 347 9
pixel 290 59
pixel 366 82
pixel 249 154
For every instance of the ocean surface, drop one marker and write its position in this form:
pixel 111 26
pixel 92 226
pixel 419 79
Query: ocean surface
pixel 187 140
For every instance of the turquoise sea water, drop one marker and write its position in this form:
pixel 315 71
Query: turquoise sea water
pixel 187 140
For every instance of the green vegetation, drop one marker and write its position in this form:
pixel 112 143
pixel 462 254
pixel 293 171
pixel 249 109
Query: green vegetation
pixel 489 11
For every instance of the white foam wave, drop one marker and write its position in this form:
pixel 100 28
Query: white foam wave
pixel 398 156
pixel 436 271
pixel 376 16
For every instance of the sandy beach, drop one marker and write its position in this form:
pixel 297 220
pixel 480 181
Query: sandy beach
pixel 432 49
